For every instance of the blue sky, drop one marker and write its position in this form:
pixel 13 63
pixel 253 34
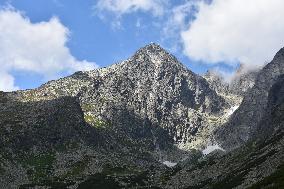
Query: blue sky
pixel 102 32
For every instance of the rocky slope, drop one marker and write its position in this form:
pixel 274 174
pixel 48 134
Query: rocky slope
pixel 243 123
pixel 257 164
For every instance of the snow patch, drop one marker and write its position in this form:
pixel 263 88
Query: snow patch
pixel 232 110
pixel 169 164
pixel 211 148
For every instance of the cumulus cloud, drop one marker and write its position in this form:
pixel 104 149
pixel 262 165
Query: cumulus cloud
pixel 121 7
pixel 35 48
pixel 231 31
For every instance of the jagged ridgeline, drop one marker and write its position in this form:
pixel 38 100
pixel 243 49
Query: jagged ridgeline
pixel 142 123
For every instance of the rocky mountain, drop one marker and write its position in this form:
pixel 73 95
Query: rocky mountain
pixel 259 163
pixel 143 123
pixel 153 85
pixel 137 110
pixel 243 123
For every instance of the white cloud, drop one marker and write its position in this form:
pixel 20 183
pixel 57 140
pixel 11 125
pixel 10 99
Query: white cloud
pixel 234 31
pixel 7 82
pixel 121 7
pixel 34 47
pixel 226 75
pixel 177 20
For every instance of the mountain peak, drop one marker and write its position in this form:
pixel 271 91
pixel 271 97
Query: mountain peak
pixel 279 55
pixel 154 53
pixel 152 48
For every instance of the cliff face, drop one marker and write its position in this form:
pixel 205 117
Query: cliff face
pixel 243 123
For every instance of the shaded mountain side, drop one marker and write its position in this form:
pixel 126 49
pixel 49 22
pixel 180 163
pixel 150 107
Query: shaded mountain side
pixel 243 123
pixel 43 125
pixel 241 168
pixel 272 121
pixel 257 164
pixel 49 142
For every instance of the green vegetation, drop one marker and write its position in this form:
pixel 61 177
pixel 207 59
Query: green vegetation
pixel 95 122
pixel 39 166
pixel 274 181
pixel 125 170
pixel 2 162
pixel 213 119
pixel 53 184
pixel 109 177
pixel 230 181
pixel 77 168
pixel 88 107
pixel 170 172
pixel 2 170
pixel 67 146
pixel 237 176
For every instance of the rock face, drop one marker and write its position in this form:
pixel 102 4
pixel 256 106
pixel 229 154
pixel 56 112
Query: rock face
pixel 217 82
pixel 152 85
pixel 257 164
pixel 142 123
pixel 243 123
pixel 272 122
pixel 243 80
